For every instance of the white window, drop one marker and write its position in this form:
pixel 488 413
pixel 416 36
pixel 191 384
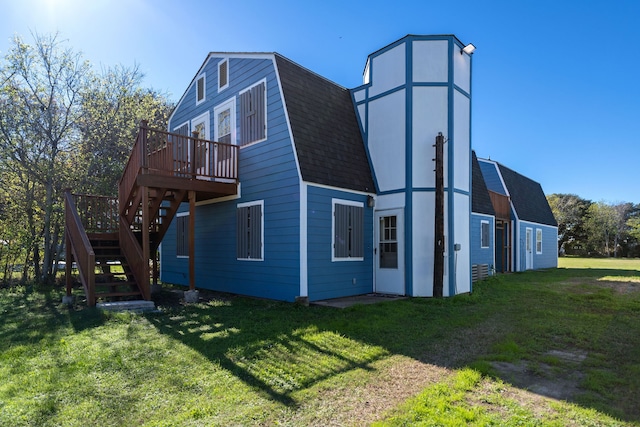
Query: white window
pixel 484 234
pixel 538 240
pixel 201 88
pixel 182 235
pixel 348 230
pixel 225 122
pixel 223 74
pixel 250 231
pixel 253 114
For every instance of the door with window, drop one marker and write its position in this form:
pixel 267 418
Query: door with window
pixel 389 252
pixel 529 249
pixel 224 131
pixel 201 150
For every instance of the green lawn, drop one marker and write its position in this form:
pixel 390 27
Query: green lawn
pixel 497 357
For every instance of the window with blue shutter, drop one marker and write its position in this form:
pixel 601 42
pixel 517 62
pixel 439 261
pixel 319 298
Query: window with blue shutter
pixel 253 114
pixel 249 232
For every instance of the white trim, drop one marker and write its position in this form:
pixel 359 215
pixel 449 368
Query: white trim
pixel 286 115
pixel 266 115
pixel 202 118
pixel 227 104
pixel 335 202
pixel 345 190
pixel 188 123
pixel 483 221
pixel 540 231
pixel 304 262
pixel 248 204
pixel 528 231
pixel 202 76
pixel 222 61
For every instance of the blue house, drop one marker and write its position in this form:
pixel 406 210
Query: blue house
pixel 336 190
pixel 526 234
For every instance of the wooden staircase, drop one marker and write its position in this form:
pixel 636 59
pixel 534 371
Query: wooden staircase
pixel 113 240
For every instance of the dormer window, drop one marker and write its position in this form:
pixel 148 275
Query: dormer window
pixel 201 89
pixel 223 74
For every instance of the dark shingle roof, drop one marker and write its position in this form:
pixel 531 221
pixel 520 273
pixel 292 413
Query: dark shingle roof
pixel 325 129
pixel 527 197
pixel 480 200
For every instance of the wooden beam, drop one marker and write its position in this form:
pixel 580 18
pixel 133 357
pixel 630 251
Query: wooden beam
pixel 438 255
pixel 146 291
pixel 192 240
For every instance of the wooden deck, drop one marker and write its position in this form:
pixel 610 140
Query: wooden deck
pixel 164 170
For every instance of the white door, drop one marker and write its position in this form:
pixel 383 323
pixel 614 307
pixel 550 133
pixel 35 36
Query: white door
pixel 529 249
pixel 201 125
pixel 225 132
pixel 389 252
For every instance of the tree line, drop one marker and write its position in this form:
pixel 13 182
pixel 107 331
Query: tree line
pixel 589 228
pixel 62 125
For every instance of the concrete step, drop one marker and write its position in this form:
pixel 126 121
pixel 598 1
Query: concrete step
pixel 137 306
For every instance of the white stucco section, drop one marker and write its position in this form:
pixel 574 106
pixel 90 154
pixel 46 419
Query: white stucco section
pixel 423 243
pixel 462 258
pixel 461 141
pixel 430 116
pixel 359 95
pixel 390 201
pixel 461 69
pixel 386 140
pixel 430 61
pixel 388 70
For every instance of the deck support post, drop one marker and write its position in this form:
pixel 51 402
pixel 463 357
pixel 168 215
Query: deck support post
pixel 146 244
pixel 192 239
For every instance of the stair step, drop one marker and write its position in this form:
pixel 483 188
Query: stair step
pixel 135 306
pixel 116 294
pixel 116 283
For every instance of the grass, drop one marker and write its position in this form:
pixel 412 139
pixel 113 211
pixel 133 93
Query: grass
pixel 241 361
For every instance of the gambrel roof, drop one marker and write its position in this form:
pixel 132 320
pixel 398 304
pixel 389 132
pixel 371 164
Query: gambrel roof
pixel 527 197
pixel 480 200
pixel 325 130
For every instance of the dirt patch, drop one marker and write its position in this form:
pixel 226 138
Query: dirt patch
pixel 588 285
pixel 398 379
pixel 557 382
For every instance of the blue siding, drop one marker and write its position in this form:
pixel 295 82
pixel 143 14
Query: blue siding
pixel 480 255
pixel 492 177
pixel 267 171
pixel 329 279
pixel 549 256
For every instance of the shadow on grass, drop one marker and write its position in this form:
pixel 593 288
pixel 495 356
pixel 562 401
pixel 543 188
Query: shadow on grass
pixel 275 348
pixel 281 348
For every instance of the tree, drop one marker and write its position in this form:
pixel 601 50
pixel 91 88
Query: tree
pixel 570 211
pixel 600 224
pixel 60 124
pixel 43 83
pixel 113 106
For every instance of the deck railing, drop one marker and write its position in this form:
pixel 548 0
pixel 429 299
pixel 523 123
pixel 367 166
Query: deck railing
pixel 99 214
pixel 171 154
pixel 79 245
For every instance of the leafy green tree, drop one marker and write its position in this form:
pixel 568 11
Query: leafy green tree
pixel 570 212
pixel 61 126
pixel 600 224
pixel 113 106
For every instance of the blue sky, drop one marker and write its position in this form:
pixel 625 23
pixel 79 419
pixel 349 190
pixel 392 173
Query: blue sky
pixel 555 83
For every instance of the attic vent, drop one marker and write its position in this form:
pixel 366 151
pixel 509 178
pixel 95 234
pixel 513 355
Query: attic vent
pixel 223 74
